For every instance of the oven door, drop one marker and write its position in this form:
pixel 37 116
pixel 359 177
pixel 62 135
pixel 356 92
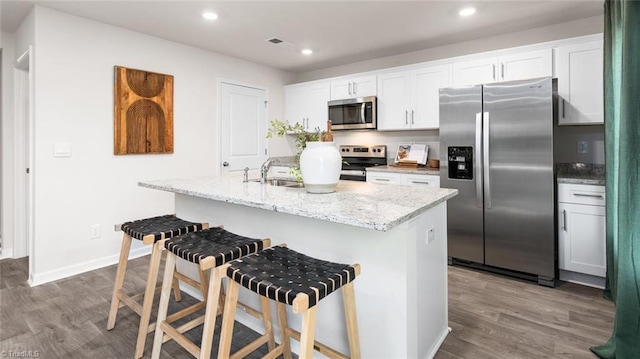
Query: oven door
pixel 353 175
pixel 356 113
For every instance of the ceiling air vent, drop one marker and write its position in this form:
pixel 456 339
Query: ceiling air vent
pixel 275 40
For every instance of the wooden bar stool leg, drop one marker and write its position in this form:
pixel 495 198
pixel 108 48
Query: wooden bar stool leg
pixel 284 324
pixel 176 287
pixel 211 313
pixel 349 299
pixel 228 319
pixel 117 287
pixel 307 332
pixel 152 277
pixel 169 270
pixel 268 323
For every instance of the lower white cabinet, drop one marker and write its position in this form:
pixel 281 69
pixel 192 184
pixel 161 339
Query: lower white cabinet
pixel 581 233
pixel 408 179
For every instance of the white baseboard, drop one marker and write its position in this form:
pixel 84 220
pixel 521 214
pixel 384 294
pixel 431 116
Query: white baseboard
pixel 6 253
pixel 64 272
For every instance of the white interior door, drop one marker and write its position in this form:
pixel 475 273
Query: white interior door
pixel 243 127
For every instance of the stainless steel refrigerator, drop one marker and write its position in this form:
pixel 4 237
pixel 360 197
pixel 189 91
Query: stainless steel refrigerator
pixel 496 148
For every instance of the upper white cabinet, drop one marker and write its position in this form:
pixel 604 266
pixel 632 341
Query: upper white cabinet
pixel 410 99
pixel 307 104
pixel 580 85
pixel 353 87
pixel 517 66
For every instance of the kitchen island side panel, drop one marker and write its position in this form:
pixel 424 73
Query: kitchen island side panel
pixel 401 294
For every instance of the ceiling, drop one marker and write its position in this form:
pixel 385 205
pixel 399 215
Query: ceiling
pixel 339 32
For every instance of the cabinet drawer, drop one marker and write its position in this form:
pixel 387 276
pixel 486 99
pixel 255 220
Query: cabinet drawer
pixel 280 172
pixel 384 178
pixel 421 180
pixel 581 194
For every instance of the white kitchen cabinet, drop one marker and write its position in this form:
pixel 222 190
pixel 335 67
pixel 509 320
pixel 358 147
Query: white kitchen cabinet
pixel 581 234
pixel 280 172
pixel 362 86
pixel 580 84
pixel 517 66
pixel 307 104
pixel 384 177
pixel 408 179
pixel 410 99
pixel 421 180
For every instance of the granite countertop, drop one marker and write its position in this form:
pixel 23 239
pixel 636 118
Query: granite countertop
pixel 411 170
pixel 360 204
pixel 581 173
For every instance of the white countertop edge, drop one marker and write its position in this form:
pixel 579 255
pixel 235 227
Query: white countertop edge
pixel 384 227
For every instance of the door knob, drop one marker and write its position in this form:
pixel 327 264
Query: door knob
pixel 225 164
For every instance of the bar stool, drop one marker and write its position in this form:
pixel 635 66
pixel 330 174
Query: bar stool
pixel 210 249
pixel 292 278
pixel 152 231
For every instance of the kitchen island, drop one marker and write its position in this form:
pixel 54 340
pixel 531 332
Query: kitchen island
pixel 396 233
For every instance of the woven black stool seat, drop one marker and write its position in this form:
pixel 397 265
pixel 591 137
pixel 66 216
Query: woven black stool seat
pixel 151 230
pixel 216 242
pixel 280 274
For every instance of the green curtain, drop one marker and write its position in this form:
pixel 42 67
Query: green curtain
pixel 622 131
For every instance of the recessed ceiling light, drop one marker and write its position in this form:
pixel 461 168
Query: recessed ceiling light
pixel 209 15
pixel 467 11
pixel 307 51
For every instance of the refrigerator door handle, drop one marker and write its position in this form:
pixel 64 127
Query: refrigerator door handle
pixel 478 160
pixel 485 164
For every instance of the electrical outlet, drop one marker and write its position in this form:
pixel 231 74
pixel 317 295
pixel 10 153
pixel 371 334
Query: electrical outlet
pixel 583 147
pixel 95 231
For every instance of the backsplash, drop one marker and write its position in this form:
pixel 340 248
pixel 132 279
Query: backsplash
pixel 392 139
pixel 570 140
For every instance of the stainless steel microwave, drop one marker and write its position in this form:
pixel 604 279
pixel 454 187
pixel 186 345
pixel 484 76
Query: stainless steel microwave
pixel 353 113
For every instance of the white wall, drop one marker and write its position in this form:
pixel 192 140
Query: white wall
pixel 6 219
pixel 74 104
pixel 592 25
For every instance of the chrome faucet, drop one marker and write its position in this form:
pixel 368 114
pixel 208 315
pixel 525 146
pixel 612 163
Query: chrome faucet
pixel 246 175
pixel 264 169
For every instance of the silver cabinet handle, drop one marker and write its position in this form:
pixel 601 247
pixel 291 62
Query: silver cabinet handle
pixel 587 195
pixel 564 220
pixel 494 72
pixel 485 153
pixel 382 179
pixel 362 112
pixel 502 70
pixel 419 182
pixel 412 117
pixel 406 117
pixel 349 88
pixel 562 108
pixel 225 164
pixel 478 160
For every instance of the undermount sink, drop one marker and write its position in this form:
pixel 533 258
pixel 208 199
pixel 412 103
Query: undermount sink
pixel 282 183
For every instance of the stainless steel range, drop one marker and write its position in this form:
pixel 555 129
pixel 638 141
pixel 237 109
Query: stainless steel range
pixel 358 158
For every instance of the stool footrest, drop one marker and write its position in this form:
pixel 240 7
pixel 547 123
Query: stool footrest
pixel 188 280
pixel 173 333
pixel 129 302
pixel 321 348
pixel 251 347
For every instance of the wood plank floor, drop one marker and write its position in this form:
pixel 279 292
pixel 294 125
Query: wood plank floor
pixel 491 317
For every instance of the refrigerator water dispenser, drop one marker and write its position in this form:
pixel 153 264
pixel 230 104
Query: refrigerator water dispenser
pixel 460 163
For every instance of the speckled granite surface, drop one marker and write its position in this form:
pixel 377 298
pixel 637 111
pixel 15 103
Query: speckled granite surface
pixel 361 204
pixel 397 169
pixel 580 173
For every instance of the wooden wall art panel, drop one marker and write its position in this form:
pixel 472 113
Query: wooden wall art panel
pixel 143 114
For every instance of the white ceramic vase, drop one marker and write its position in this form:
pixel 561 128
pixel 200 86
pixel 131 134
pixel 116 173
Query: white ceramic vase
pixel 320 164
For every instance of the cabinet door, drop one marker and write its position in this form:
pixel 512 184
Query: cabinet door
pixel 384 177
pixel 316 99
pixel 425 96
pixel 353 87
pixel 526 65
pixel 475 72
pixel 580 85
pixel 393 98
pixel 294 105
pixel 582 238
pixel 421 180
